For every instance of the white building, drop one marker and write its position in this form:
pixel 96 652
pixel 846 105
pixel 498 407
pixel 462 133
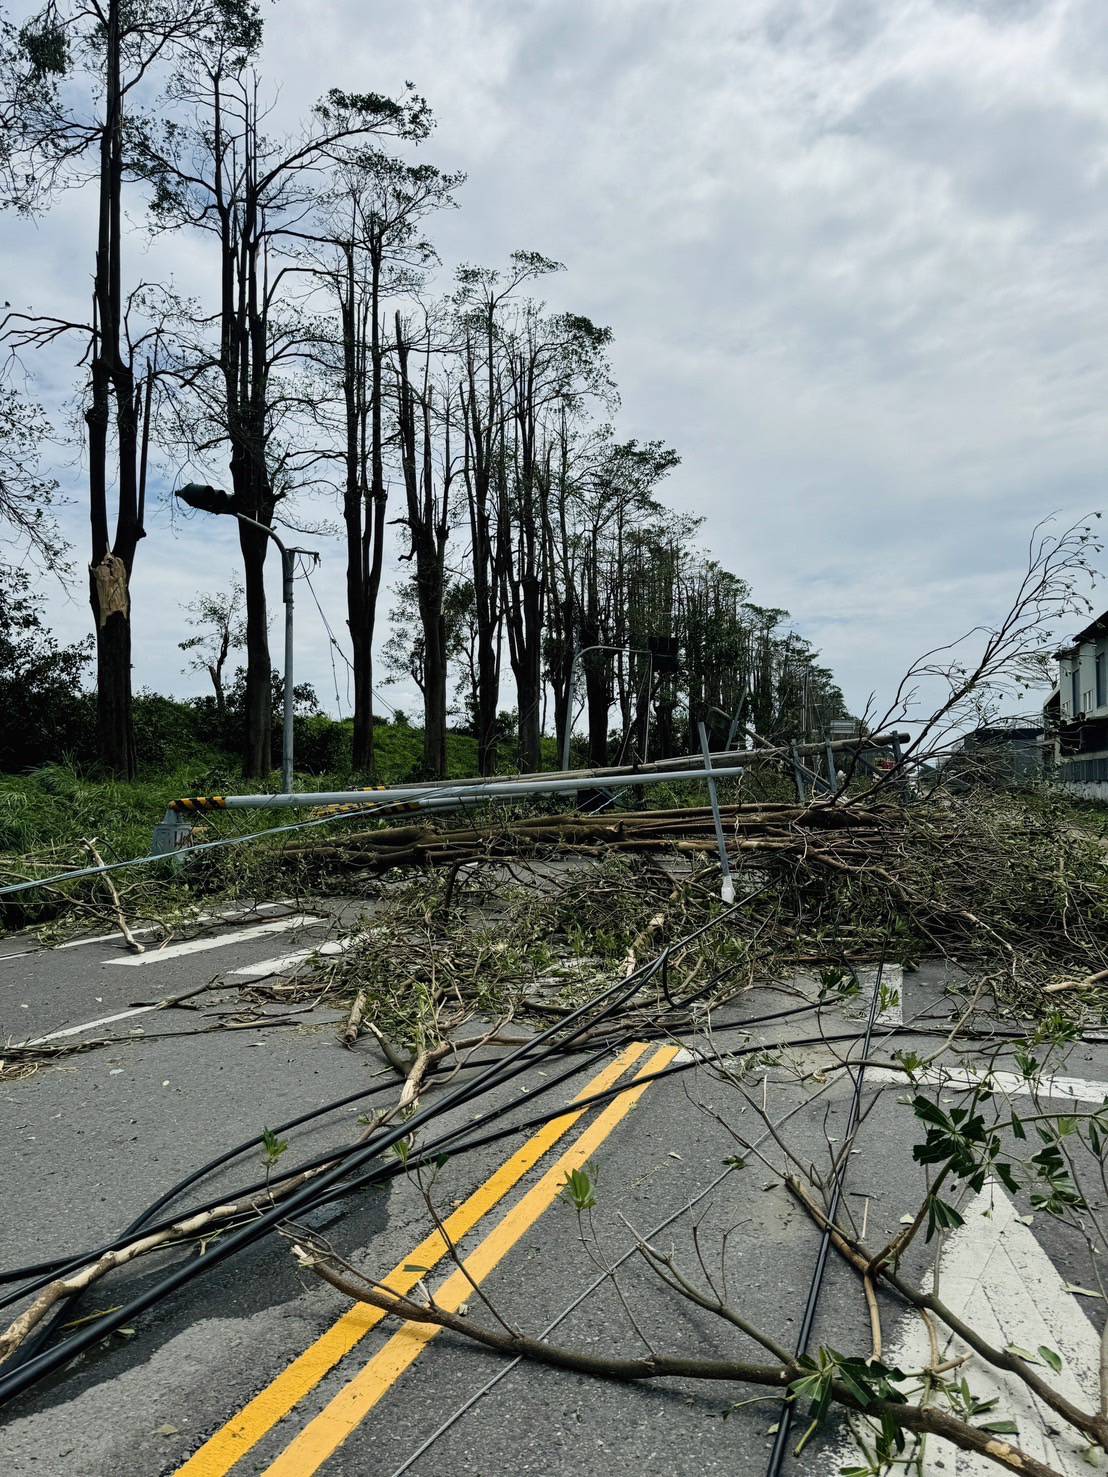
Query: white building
pixel 1082 714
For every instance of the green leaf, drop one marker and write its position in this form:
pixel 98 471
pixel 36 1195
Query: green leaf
pixel 579 1189
pixel 1051 1357
pixel 941 1216
pixel 1000 1428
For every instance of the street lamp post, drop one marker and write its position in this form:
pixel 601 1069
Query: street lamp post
pixel 212 500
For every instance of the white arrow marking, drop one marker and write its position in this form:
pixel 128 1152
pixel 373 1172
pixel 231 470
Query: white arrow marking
pixel 999 1279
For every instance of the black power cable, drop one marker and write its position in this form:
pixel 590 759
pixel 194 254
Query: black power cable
pixel 788 1406
pixel 62 1265
pixel 340 1176
pixel 16 1380
pixel 334 1186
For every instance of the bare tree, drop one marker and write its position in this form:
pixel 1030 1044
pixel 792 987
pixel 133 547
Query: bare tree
pixel 483 407
pixel 427 484
pixel 371 250
pixel 52 142
pixel 222 174
pixel 553 364
pixel 217 620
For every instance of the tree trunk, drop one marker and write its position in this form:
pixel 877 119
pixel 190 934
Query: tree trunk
pixel 114 726
pixel 215 671
pixel 597 699
pixel 110 566
pixel 529 692
pixel 257 757
pixel 361 743
pixel 434 695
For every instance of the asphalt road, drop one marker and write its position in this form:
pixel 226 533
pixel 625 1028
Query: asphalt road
pixel 259 1367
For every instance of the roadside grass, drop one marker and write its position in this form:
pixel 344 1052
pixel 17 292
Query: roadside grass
pixel 49 814
pixel 50 811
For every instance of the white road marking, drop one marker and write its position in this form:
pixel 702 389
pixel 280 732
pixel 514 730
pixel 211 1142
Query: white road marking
pixel 1075 1089
pixel 219 941
pixel 995 1273
pixel 116 937
pixel 105 1020
pixel 285 962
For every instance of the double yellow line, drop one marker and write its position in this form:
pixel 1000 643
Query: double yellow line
pixel 329 1429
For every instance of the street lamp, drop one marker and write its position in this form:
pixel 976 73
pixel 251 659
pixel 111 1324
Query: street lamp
pixel 213 500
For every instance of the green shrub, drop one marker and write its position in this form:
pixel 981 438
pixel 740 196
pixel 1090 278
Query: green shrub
pixel 322 745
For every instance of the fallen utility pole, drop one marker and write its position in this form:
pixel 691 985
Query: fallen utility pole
pixel 686 766
pixel 172 834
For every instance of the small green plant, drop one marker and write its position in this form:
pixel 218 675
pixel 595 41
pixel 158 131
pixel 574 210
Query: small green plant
pixel 272 1148
pixel 864 1382
pixel 579 1189
pixel 402 1150
pixel 837 984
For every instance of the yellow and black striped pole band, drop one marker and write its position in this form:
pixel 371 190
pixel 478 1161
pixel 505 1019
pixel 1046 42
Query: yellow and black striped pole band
pixel 352 808
pixel 198 803
pixel 391 807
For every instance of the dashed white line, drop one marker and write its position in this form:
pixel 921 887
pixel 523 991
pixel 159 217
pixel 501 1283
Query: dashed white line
pixel 285 962
pixel 105 1020
pixel 116 937
pixel 219 941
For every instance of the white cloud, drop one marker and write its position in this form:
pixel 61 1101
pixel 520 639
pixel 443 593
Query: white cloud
pixel 853 251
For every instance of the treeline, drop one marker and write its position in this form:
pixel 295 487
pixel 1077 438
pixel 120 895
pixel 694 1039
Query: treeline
pixel 465 420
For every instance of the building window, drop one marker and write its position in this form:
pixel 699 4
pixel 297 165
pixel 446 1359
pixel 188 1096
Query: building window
pixel 1101 679
pixel 1075 691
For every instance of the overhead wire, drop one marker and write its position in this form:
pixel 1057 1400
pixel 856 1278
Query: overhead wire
pixel 815 1286
pixel 334 645
pixel 337 647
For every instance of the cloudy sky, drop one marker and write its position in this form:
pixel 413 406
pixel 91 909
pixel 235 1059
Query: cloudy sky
pixel 854 254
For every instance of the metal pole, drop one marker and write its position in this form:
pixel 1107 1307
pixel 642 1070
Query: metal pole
pixel 727 889
pixel 582 651
pixel 736 722
pixel 288 731
pixel 503 789
pixel 569 709
pixel 798 776
pixel 901 777
pixel 287 569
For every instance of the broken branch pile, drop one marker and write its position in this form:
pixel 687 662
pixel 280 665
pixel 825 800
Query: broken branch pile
pixel 764 826
pixel 1008 887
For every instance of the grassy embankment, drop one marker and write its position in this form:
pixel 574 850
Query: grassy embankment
pixel 51 810
pixel 47 816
